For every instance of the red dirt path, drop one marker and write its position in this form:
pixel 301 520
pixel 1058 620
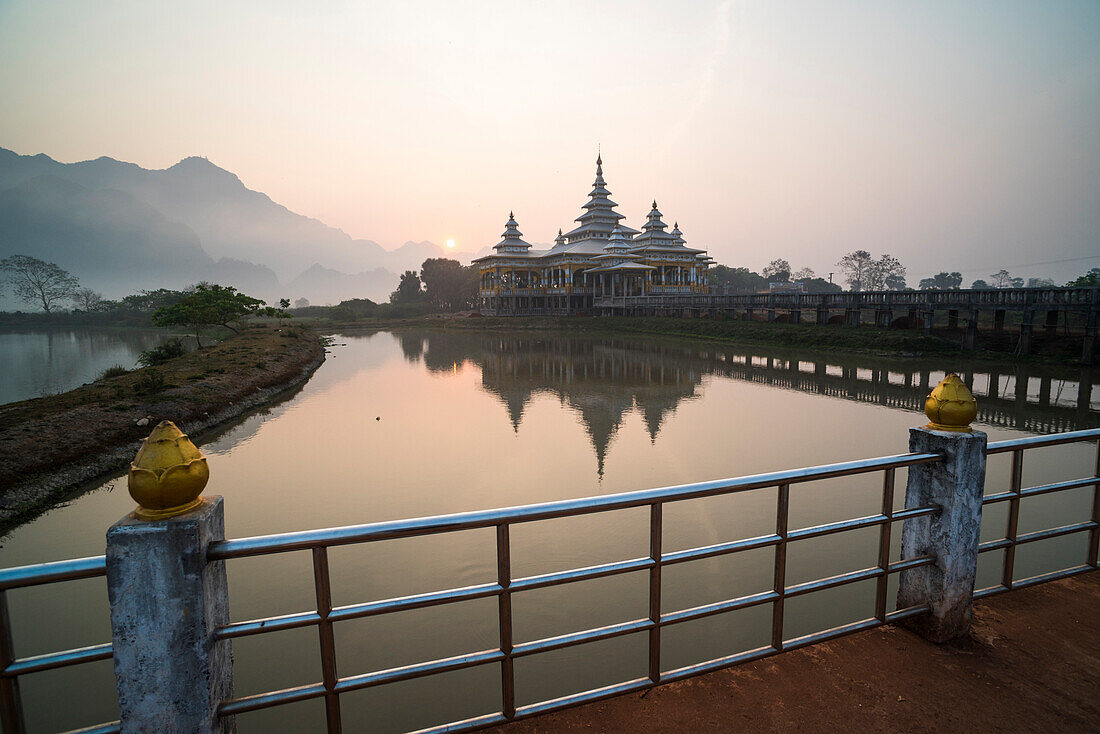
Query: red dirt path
pixel 1032 663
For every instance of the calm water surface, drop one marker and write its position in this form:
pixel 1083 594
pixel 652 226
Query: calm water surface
pixel 39 362
pixel 422 423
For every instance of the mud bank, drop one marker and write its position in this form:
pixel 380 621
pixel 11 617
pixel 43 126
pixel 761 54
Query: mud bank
pixel 50 446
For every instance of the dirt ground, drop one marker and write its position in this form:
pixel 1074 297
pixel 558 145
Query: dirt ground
pixel 50 445
pixel 1031 664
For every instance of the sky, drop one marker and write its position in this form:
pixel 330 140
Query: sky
pixel 953 135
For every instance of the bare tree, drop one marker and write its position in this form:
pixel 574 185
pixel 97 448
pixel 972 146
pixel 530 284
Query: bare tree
pixel 864 273
pixel 86 299
pixel 887 273
pixel 1004 279
pixel 37 281
pixel 856 267
pixel 804 274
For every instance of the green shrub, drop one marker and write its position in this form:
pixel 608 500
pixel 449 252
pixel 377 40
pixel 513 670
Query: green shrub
pixel 116 371
pixel 159 355
pixel 150 381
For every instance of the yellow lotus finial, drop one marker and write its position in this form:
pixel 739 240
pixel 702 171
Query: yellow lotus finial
pixel 167 475
pixel 951 406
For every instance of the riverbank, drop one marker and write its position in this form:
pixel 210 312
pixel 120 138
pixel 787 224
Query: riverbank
pixel 834 338
pixel 50 445
pixel 1031 663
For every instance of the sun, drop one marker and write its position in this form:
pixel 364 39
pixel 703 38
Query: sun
pixel 450 244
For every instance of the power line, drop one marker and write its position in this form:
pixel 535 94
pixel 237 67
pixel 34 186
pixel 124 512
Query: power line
pixel 1027 265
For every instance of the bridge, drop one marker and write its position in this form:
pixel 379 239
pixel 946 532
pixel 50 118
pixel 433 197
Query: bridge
pixel 899 309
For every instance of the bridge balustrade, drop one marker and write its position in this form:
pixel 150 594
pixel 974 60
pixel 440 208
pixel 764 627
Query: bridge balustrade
pixel 651 626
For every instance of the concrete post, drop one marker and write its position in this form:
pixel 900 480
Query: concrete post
pixel 1052 324
pixel 953 319
pixel 999 320
pixel 822 316
pixel 1026 325
pixel 956 484
pixel 970 340
pixel 1088 348
pixel 166 602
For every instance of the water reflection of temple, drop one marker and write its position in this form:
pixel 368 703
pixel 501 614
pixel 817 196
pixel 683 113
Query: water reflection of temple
pixel 603 379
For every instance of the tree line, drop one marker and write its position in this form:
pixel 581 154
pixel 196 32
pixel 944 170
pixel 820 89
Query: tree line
pixel 864 272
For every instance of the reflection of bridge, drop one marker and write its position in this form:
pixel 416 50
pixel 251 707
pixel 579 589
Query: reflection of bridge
pixel 1020 399
pixel 603 379
pixel 917 308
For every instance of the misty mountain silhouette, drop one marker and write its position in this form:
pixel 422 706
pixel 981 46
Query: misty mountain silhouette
pixel 120 227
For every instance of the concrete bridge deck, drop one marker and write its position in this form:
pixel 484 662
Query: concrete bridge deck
pixel 1031 663
pixel 908 309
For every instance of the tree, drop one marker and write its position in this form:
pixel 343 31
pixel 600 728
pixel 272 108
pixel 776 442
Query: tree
pixel 87 300
pixel 778 270
pixel 979 285
pixel 856 267
pixel 1040 283
pixel 942 282
pixel 1003 279
pixel 887 273
pixel 864 273
pixel 1091 279
pixel 284 303
pixel 803 274
pixel 149 301
pixel 447 284
pixel 738 280
pixel 408 290
pixel 207 304
pixel 37 281
pixel 301 303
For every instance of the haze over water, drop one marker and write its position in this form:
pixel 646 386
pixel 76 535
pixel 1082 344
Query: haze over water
pixel 428 422
pixel 955 136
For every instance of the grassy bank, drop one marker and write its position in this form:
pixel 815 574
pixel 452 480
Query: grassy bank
pixel 50 444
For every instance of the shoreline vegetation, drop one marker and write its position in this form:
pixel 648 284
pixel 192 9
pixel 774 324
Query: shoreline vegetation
pixel 833 338
pixel 51 445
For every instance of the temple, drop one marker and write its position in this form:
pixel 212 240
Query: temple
pixel 600 257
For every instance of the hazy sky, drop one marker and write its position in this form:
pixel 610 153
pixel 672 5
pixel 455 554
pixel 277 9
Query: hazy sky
pixel 954 135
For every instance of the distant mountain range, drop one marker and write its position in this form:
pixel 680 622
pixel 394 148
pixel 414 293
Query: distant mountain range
pixel 121 228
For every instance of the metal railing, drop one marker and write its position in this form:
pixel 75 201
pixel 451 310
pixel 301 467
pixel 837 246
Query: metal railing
pixel 1016 492
pixel 11 667
pixel 325 616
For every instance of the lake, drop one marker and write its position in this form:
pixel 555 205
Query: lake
pixel 413 423
pixel 39 362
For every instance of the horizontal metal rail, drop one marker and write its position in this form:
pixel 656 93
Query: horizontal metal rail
pixel 1035 442
pixel 327 537
pixel 325 615
pixel 48 573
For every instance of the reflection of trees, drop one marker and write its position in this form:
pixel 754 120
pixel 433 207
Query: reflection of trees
pixel 602 379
